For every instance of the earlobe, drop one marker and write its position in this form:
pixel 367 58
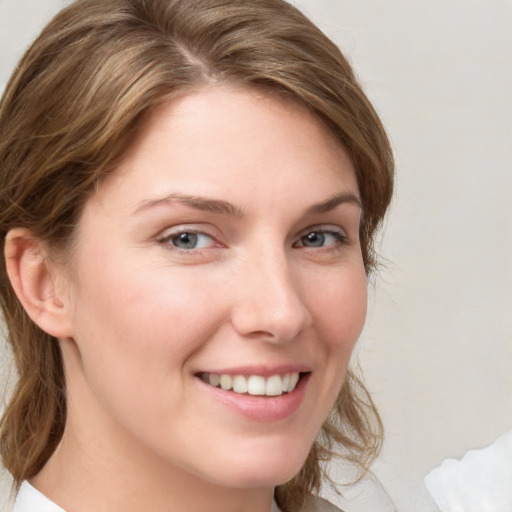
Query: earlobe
pixel 34 282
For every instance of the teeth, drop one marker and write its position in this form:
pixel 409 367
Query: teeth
pixel 226 382
pixel 240 384
pixel 286 381
pixel 274 386
pixel 257 385
pixel 294 378
pixel 213 379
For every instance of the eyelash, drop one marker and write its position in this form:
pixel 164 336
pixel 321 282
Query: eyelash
pixel 167 240
pixel 340 239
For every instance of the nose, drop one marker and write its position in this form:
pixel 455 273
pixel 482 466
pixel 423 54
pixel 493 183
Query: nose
pixel 268 303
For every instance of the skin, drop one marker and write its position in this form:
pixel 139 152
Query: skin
pixel 140 318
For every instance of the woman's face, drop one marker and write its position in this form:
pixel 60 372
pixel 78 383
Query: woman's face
pixel 224 248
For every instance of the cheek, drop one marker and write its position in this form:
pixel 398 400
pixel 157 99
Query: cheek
pixel 339 308
pixel 175 308
pixel 142 327
pixel 135 335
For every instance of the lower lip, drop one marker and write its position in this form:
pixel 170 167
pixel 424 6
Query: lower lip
pixel 261 408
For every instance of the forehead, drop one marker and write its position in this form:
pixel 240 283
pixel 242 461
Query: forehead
pixel 224 137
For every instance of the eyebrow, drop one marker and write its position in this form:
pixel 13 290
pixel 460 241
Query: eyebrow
pixel 333 202
pixel 196 202
pixel 226 208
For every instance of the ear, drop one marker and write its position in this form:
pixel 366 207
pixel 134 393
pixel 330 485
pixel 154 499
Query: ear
pixel 34 279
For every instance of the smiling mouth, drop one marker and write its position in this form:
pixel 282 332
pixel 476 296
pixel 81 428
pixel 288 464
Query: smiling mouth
pixel 255 385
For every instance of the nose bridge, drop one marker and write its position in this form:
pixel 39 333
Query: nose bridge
pixel 269 302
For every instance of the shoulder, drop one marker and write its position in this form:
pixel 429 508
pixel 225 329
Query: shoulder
pixel 317 504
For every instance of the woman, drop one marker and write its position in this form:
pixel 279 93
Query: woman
pixel 190 192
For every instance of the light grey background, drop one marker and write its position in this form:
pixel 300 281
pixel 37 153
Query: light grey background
pixel 437 348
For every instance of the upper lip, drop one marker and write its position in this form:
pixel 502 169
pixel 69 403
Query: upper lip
pixel 262 370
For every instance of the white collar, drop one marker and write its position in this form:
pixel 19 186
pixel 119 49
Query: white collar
pixel 30 499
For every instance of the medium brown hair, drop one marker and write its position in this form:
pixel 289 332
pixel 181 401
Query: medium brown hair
pixel 68 115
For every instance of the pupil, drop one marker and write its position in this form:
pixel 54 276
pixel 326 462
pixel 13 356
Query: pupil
pixel 185 241
pixel 314 239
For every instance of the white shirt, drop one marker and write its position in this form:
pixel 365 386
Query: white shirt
pixel 30 499
pixel 480 482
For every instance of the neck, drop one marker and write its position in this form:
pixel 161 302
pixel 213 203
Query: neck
pixel 100 473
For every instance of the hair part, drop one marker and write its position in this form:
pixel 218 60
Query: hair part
pixel 69 114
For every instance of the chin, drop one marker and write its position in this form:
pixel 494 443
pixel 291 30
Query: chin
pixel 265 468
pixel 263 477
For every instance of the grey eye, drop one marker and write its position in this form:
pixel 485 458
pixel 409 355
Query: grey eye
pixel 321 238
pixel 189 240
pixel 313 239
pixel 185 240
